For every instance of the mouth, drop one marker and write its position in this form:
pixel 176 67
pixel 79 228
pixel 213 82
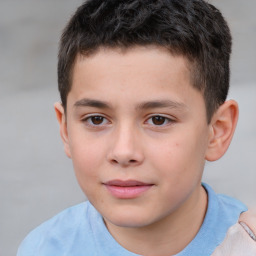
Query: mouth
pixel 127 189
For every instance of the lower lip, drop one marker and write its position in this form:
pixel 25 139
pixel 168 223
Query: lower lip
pixel 127 192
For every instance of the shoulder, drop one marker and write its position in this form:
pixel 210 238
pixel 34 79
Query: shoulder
pixel 57 232
pixel 222 213
pixel 230 206
pixel 225 205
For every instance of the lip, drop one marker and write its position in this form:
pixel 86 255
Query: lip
pixel 127 189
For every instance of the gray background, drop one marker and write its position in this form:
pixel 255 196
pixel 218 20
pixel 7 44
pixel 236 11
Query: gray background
pixel 36 179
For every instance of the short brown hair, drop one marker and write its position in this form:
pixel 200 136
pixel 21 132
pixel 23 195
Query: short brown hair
pixel 192 28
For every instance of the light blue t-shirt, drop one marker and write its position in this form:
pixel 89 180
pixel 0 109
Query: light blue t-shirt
pixel 80 231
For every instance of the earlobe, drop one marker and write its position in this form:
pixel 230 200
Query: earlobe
pixel 222 128
pixel 60 114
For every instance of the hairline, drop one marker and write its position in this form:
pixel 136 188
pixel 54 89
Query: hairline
pixel 190 62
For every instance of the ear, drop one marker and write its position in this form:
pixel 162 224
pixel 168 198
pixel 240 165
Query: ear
pixel 222 128
pixel 60 114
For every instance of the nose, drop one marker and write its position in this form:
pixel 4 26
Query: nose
pixel 126 149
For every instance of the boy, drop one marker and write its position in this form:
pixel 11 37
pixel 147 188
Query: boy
pixel 143 86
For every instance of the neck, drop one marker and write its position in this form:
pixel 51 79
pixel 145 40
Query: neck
pixel 169 235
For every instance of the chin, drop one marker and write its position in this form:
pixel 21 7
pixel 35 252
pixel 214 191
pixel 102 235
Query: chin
pixel 128 219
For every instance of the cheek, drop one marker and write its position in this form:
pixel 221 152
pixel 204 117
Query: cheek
pixel 87 158
pixel 86 172
pixel 168 152
pixel 178 158
pixel 85 149
pixel 179 166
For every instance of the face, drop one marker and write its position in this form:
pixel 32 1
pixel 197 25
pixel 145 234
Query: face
pixel 137 133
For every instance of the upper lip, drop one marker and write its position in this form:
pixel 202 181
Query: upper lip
pixel 126 183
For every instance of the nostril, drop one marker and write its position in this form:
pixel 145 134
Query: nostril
pixel 114 161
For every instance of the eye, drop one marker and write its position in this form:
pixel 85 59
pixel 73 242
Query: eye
pixel 95 120
pixel 159 120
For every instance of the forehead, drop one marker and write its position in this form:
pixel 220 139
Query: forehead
pixel 152 57
pixel 144 71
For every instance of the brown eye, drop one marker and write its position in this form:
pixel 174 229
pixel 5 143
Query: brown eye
pixel 158 120
pixel 94 121
pixel 97 120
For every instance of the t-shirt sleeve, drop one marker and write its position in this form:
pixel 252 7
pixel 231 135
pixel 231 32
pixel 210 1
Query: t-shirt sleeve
pixel 29 245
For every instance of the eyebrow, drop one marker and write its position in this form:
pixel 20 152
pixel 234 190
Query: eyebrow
pixel 142 106
pixel 92 103
pixel 161 104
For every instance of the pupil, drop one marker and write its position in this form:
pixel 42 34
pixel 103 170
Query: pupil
pixel 158 120
pixel 97 119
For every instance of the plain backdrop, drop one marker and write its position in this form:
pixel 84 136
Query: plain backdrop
pixel 36 178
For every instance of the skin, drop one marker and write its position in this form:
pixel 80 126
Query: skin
pixel 249 218
pixel 237 240
pixel 133 115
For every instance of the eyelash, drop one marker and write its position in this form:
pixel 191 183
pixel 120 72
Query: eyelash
pixel 89 121
pixel 166 120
